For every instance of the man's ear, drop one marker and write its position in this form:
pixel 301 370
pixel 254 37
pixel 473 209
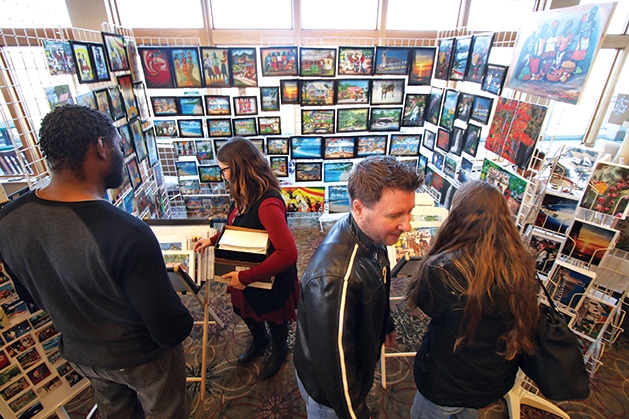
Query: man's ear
pixel 101 150
pixel 357 207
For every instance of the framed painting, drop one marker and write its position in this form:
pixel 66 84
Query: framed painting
pixel 134 173
pixel 279 165
pixel 317 62
pixel 479 55
pixel 217 105
pixel 142 99
pixel 464 107
pixel 387 91
pixel 269 125
pixel 352 119
pixel 444 58
pixel 276 146
pixel 429 139
pixel 494 79
pixel 138 139
pixel 443 140
pixel 391 60
pixel 210 173
pixel 151 146
pixel 116 51
pixel 128 95
pixel 385 119
pixel 336 171
pixel 568 283
pixel 59 57
pixel 449 166
pixel 556 212
pixel 186 168
pixel 245 105
pixel 460 56
pixel 126 139
pixel 353 91
pixel 289 89
pixel 84 62
pixel 545 248
pixel 279 61
pixel 404 144
pixel 422 163
pixel 465 172
pixel 244 67
pixel 338 148
pixel 190 105
pixel 216 67
pixel 450 101
pixel 308 172
pixel 245 127
pixel 434 105
pixel 437 160
pixel 166 128
pixel 371 145
pixel 164 105
pixel 135 63
pixel 87 99
pixel 205 150
pixel 185 148
pixel 317 121
pixel 355 61
pixel 218 143
pixel 186 67
pixel 316 92
pixel 481 109
pixel 219 127
pixel 259 143
pixel 98 53
pixel 270 99
pixel 414 110
pixel 472 138
pixel 102 102
pixel 607 191
pixel 158 71
pixel 338 199
pixel 190 128
pixel 457 138
pixel 306 148
pixel 422 61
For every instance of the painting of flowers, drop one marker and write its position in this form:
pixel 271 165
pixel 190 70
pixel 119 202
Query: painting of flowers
pixel 608 190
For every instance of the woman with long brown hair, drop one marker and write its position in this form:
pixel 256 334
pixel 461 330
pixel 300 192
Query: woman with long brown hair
pixel 477 283
pixel 258 204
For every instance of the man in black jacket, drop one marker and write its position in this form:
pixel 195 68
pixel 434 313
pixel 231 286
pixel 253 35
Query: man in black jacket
pixel 343 317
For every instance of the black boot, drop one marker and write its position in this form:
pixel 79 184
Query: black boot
pixel 259 343
pixel 279 350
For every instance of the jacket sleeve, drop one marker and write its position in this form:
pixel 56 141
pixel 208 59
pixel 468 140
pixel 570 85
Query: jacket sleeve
pixel 435 297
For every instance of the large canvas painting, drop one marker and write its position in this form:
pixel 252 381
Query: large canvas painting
pixel 556 49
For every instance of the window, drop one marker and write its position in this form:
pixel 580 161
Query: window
pixel 498 15
pixel 34 14
pixel 252 14
pixel 341 15
pixel 160 13
pixel 422 15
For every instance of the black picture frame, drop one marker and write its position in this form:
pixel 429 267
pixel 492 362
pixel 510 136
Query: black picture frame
pixel 269 99
pixel 317 62
pixel 414 109
pixel 448 110
pixel 443 140
pixel 190 128
pixel 84 62
pixel 494 79
pixel 190 105
pixel 244 67
pixel 277 146
pixel 245 105
pixel 422 63
pixel 216 67
pixel 371 145
pixel 245 127
pixel 355 61
pixel 353 91
pixel 279 166
pixel 406 145
pixel 269 125
pixel 391 61
pixel 218 105
pixel 429 139
pixel 340 147
pixel 387 91
pixel 289 89
pixel 479 55
pixel 219 127
pixel 457 140
pixel 308 172
pixel 352 119
pixel 164 105
pixel 186 65
pixel 306 147
pixel 317 121
pixel 464 106
pixel 279 61
pixel 481 109
pixel 472 138
pixel 460 57
pixel 209 173
pixel 103 103
pixel 116 53
pixel 385 119
pixel 317 92
pixel 444 58
pixel 434 105
pixel 100 65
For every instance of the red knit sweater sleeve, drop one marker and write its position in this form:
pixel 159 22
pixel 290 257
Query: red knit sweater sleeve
pixel 271 214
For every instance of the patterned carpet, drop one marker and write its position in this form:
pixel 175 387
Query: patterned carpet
pixel 234 391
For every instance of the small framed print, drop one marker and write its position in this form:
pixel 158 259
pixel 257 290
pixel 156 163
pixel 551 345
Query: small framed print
pixel 279 61
pixel 472 138
pixel 352 119
pixel 116 51
pixel 316 92
pixel 391 60
pixel 568 283
pixel 444 57
pixel 166 128
pixel 134 173
pixel 355 61
pixel 190 128
pixel 276 146
pixel 414 110
pixel 190 105
pixel 460 57
pixel 317 62
pixel 128 96
pixel 216 68
pixel 588 242
pixel 244 68
pixel 218 143
pixel 457 136
pixel 219 127
pixel 592 317
pixel 217 105
pixel 404 144
pixel 443 140
pixel 279 165
pixel 210 173
pixel 245 105
pixel 138 139
pixel 59 57
pixel 102 102
pixel 259 143
pixel 269 125
pixel 289 90
pixel 306 148
pixel 205 150
pixel 450 101
pixel 387 91
pixel 126 139
pixel 186 168
pixel 494 79
pixel 84 62
pixel 87 99
pixel 434 105
pixel 338 148
pixel 98 53
pixel 164 106
pixel 317 121
pixel 186 66
pixel 422 164
pixel 270 99
pixel 371 145
pixel 336 172
pixel 429 140
pixel 437 160
pixel 353 91
pixel 308 172
pixel 245 127
pixel 545 248
pixel 338 198
pixel 158 71
pixel 481 109
pixel 422 61
pixel 385 119
pixel 465 172
pixel 464 107
pixel 479 54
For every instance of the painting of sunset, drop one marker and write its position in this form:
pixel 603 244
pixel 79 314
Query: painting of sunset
pixel 588 242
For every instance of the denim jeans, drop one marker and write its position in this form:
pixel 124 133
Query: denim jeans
pixel 423 408
pixel 314 409
pixel 156 389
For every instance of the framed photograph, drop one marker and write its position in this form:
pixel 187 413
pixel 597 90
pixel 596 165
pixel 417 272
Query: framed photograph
pixel 116 51
pixel 391 60
pixel 279 61
pixel 481 109
pixel 434 105
pixel 385 119
pixel 568 283
pixel 607 190
pixel 429 140
pixel 190 105
pixel 138 139
pixel 210 173
pixel 592 317
pixel 545 248
pixel 460 57
pixel 317 121
pixel 479 54
pixel 317 62
pixel 414 110
pixel 316 92
pixel 219 127
pixel 353 91
pixel 289 90
pixel 244 68
pixel 59 57
pixel 444 58
pixel 308 172
pixel 270 99
pixel 387 91
pixel 422 61
pixel 464 107
pixel 472 138
pixel 437 160
pixel 588 242
pixel 269 125
pixel 276 146
pixel 457 138
pixel 128 96
pixel 216 67
pixel 338 199
pixel 352 119
pixel 336 172
pixel 187 67
pixel 306 148
pixel 404 144
pixel 85 70
pixel 158 71
pixel 279 165
pixel 98 53
pixel 371 145
pixel 556 212
pixel 443 140
pixel 494 79
pixel 451 99
pixel 166 128
pixel 134 173
pixel 217 105
pixel 245 127
pixel 338 148
pixel 355 61
pixel 164 105
pixel 102 102
pixel 190 128
pixel 205 150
